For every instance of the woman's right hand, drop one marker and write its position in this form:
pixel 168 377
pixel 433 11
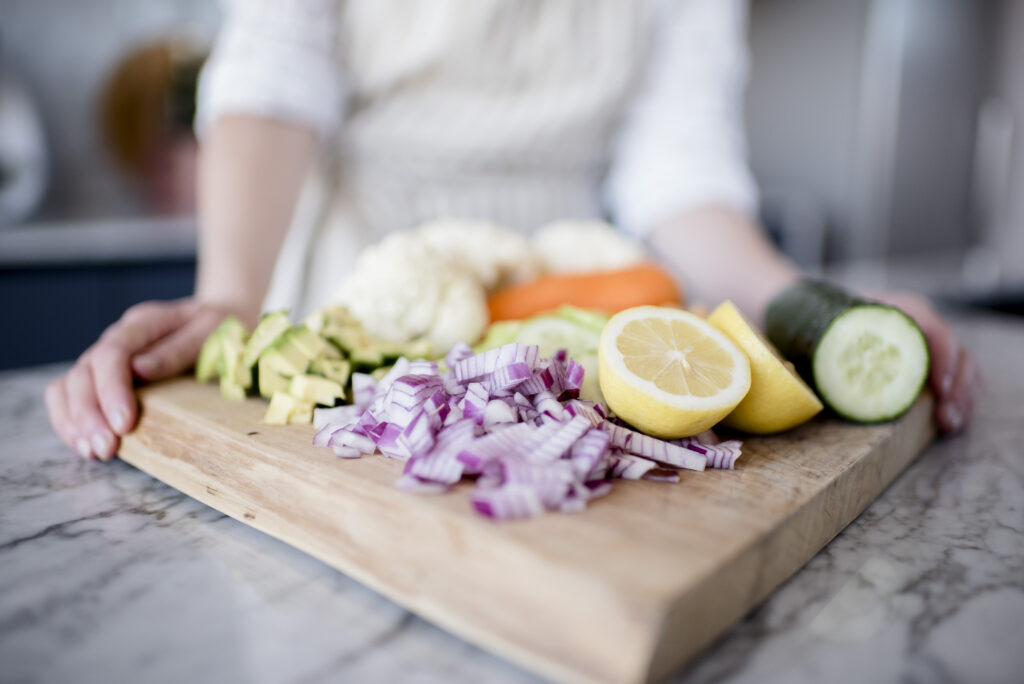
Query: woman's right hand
pixel 93 404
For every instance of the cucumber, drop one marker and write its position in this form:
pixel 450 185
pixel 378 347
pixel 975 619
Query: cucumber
pixel 867 361
pixel 588 318
pixel 552 333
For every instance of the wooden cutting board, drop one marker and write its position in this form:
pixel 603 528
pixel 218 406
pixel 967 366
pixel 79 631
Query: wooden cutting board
pixel 625 592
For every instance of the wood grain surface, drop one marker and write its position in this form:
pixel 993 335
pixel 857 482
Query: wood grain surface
pixel 627 591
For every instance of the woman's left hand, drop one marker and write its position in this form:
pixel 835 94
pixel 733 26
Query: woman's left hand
pixel 954 376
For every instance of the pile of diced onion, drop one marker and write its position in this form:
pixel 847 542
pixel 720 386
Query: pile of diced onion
pixel 509 419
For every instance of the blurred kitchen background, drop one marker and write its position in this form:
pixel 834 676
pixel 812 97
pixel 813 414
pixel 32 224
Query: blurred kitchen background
pixel 887 136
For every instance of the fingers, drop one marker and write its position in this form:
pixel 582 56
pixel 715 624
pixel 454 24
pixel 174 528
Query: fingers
pixel 956 407
pixel 93 404
pixel 945 355
pixel 110 358
pixel 178 350
pixel 111 373
pixel 145 323
pixel 60 418
pixel 91 427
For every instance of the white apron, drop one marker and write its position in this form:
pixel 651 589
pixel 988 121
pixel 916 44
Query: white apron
pixel 485 109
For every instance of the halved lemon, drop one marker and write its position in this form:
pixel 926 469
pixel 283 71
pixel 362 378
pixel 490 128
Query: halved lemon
pixel 778 399
pixel 669 373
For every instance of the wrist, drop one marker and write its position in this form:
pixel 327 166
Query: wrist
pixel 243 308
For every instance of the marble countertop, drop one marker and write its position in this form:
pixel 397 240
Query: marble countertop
pixel 107 575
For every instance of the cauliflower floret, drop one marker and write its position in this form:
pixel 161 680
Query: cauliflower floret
pixel 495 255
pixel 576 245
pixel 461 315
pixel 401 290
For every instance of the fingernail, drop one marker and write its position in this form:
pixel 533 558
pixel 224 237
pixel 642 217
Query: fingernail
pixel 101 444
pixel 955 417
pixel 120 420
pixel 947 383
pixel 82 447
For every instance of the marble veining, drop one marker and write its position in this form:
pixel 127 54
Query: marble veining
pixel 107 575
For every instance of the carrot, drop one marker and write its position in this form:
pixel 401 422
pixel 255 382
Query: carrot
pixel 610 291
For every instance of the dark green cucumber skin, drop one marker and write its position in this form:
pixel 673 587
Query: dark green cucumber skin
pixel 798 318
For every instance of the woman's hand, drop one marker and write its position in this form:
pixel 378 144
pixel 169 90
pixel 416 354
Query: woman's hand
pixel 726 256
pixel 93 405
pixel 954 376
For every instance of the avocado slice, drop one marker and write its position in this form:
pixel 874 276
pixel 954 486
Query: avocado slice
pixel 210 362
pixel 230 390
pixel 420 348
pixel 316 389
pixel 337 370
pixel 235 378
pixel 270 327
pixel 312 345
pixel 269 379
pixel 285 357
pixel 285 408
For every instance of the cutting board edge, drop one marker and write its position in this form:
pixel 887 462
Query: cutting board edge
pixel 190 478
pixel 906 444
pixel 649 657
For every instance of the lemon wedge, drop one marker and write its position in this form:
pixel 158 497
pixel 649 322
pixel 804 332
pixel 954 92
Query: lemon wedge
pixel 778 399
pixel 668 372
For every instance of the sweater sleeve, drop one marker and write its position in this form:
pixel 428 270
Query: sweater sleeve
pixel 682 144
pixel 274 58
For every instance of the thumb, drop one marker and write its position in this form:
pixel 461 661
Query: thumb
pixel 177 351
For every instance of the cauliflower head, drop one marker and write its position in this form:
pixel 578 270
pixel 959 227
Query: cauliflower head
pixel 495 255
pixel 401 289
pixel 573 246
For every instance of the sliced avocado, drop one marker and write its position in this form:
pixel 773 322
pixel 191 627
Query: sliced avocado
pixel 419 348
pixel 356 343
pixel 337 370
pixel 316 389
pixel 316 321
pixel 312 345
pixel 210 362
pixel 285 357
pixel 231 390
pixel 347 336
pixel 339 315
pixel 270 327
pixel 378 373
pixel 302 415
pixel 285 409
pixel 209 355
pixel 233 370
pixel 269 379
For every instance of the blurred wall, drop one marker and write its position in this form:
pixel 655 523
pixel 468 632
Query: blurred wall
pixel 803 106
pixel 1005 234
pixel 64 50
pixel 862 115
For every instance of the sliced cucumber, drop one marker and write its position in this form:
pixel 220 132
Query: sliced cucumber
pixel 498 334
pixel 867 361
pixel 588 318
pixel 552 333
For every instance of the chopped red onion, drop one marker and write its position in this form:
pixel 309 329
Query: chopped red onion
pixel 512 420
